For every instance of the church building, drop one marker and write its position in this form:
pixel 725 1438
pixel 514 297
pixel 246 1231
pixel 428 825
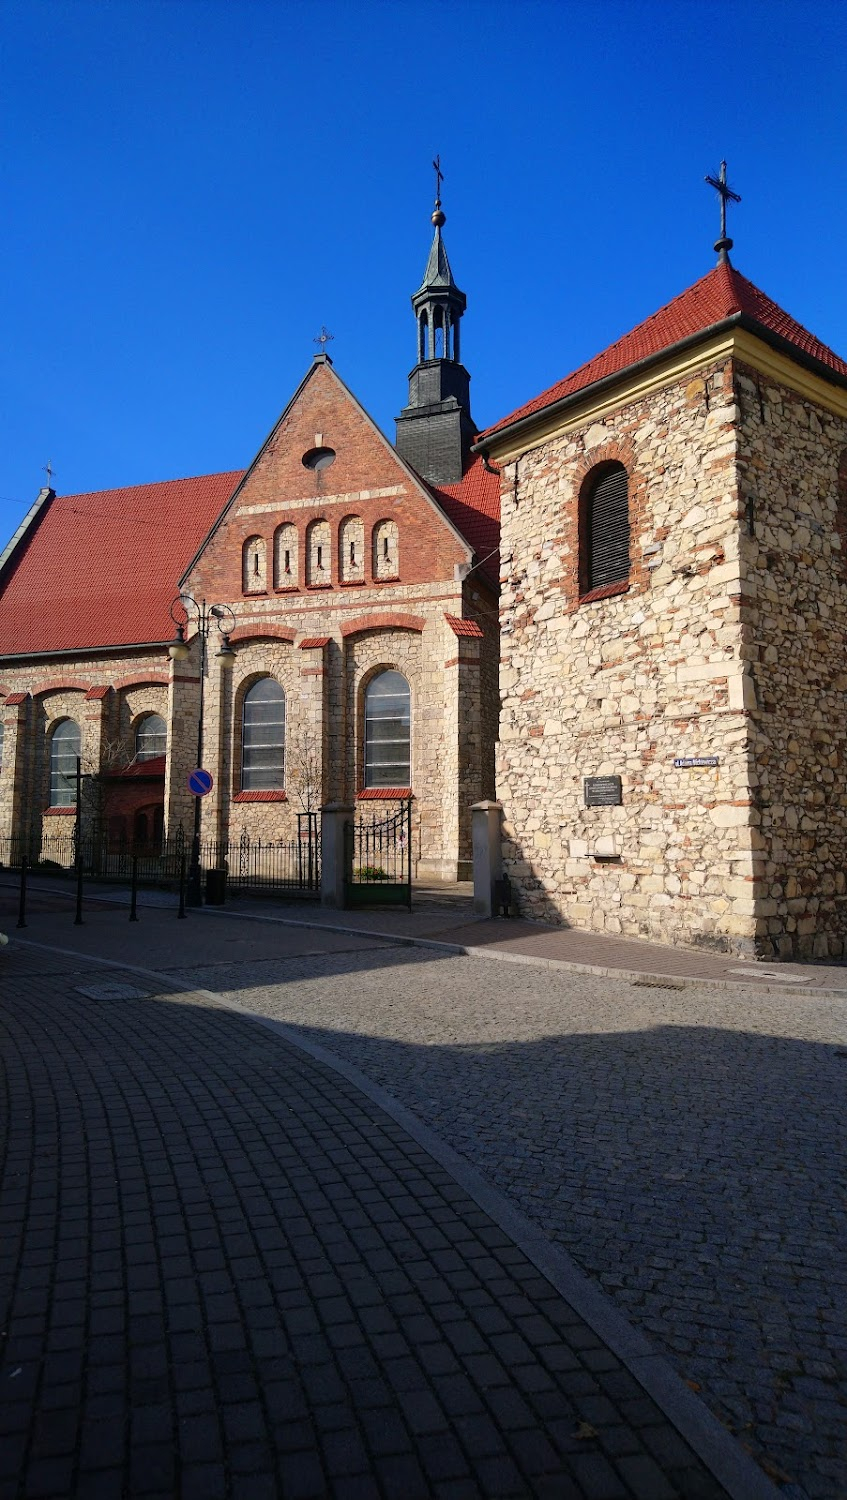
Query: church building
pixel 672 757
pixel 350 590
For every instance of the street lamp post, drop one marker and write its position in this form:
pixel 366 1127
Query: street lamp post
pixel 185 610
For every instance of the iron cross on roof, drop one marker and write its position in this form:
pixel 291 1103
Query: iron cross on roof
pixel 323 338
pixel 726 195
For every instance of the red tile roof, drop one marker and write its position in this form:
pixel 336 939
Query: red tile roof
pixel 722 294
pixel 464 627
pixel 314 640
pixel 102 569
pixel 141 770
pixel 473 505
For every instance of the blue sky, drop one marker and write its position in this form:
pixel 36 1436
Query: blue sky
pixel 191 188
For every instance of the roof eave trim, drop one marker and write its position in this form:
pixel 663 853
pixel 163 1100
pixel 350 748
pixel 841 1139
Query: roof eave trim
pixel 791 351
pixel 42 500
pixel 83 651
pixel 742 320
pixel 599 387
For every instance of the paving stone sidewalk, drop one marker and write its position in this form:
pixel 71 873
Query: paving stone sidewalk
pixel 226 1273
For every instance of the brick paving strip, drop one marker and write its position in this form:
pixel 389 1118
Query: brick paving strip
pixel 235 1267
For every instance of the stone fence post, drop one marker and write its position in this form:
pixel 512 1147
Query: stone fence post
pixel 333 818
pixel 487 854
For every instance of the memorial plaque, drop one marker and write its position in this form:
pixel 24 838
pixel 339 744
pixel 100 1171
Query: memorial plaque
pixel 686 762
pixel 603 791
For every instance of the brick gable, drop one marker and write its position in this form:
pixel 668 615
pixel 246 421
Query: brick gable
pixel 366 480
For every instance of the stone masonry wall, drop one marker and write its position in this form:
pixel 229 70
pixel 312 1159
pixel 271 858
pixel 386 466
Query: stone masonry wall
pixel 789 453
pixel 624 685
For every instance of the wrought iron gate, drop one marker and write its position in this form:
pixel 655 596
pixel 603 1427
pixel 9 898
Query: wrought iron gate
pixel 378 860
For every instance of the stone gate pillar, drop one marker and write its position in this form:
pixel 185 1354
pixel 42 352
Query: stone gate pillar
pixel 333 818
pixel 487 854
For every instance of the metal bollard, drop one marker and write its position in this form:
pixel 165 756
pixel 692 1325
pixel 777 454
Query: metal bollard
pixel 181 912
pixel 133 914
pixel 78 918
pixel 22 902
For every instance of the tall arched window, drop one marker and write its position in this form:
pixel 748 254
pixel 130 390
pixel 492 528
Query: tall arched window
pixel 64 749
pixel 151 737
pixel 604 528
pixel 263 738
pixel 388 731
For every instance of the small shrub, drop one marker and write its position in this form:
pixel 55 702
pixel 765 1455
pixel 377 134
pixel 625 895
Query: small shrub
pixel 371 872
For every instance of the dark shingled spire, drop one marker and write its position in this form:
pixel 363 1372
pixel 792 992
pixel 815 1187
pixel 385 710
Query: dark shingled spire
pixel 435 430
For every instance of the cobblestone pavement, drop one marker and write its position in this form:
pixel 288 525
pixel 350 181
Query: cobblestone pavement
pixel 687 1146
pixel 227 1274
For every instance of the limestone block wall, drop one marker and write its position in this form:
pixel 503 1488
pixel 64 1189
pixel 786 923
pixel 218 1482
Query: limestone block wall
pixel 627 684
pixel 91 690
pixel 793 471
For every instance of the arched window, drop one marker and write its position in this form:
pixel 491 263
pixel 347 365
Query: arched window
pixel 386 550
pixel 151 737
pixel 388 731
pixel 604 528
pixel 263 737
pixel 254 566
pixel 286 562
pixel 64 749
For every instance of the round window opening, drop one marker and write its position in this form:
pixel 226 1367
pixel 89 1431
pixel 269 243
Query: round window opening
pixel 319 458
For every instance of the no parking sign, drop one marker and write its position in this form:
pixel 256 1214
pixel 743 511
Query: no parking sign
pixel 200 782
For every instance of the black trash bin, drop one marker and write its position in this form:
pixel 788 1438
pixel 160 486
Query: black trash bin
pixel 216 887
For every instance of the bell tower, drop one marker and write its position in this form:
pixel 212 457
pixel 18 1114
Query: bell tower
pixel 435 430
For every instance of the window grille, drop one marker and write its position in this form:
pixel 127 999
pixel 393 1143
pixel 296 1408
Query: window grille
pixel 388 725
pixel 606 530
pixel 151 737
pixel 263 738
pixel 64 749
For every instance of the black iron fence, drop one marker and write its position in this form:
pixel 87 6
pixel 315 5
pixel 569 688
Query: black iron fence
pixel 251 864
pixel 378 860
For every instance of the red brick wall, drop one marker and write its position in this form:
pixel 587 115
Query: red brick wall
pixel 428 548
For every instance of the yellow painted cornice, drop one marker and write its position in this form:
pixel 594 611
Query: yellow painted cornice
pixel 735 343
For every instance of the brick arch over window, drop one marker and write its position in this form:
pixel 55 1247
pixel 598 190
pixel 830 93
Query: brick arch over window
pixel 261 632
pixel 604 530
pixel 841 510
pixel 383 622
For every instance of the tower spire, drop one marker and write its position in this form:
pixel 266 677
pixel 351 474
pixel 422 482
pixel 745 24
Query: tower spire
pixel 435 430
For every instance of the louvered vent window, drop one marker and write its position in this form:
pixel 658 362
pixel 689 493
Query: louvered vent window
pixel 606 533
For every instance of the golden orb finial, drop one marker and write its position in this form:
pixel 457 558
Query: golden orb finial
pixel 439 217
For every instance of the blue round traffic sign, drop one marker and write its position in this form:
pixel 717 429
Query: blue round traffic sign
pixel 200 782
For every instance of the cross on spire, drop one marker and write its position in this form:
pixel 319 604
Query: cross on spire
pixel 439 178
pixel 726 195
pixel 323 338
pixel 49 471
